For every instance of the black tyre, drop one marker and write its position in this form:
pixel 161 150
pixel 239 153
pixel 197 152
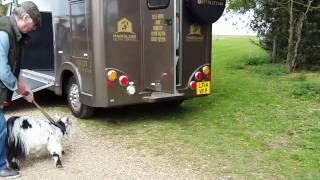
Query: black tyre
pixel 77 108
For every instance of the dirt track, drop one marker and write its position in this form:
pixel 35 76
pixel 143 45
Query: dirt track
pixel 89 155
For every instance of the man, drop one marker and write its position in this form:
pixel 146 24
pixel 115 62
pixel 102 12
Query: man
pixel 24 19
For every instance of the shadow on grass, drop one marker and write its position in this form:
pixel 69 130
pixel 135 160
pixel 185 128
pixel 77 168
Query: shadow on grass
pixel 141 113
pixel 125 114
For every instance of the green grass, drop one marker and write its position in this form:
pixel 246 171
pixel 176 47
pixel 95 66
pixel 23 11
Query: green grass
pixel 260 122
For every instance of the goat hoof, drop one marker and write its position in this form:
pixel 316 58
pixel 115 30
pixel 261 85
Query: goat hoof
pixel 59 166
pixel 14 166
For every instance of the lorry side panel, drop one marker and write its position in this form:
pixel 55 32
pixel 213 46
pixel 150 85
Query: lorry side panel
pixel 97 42
pixel 82 56
pixel 62 39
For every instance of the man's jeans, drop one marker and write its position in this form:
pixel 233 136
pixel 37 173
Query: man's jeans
pixel 3 134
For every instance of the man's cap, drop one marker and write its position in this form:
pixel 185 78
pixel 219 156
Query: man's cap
pixel 33 11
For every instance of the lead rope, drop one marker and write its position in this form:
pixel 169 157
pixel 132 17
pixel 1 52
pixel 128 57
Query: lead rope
pixel 51 120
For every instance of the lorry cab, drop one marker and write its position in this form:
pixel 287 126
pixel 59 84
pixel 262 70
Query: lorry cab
pixel 108 53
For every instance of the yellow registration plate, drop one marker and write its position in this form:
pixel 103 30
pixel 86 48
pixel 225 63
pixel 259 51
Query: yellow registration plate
pixel 203 88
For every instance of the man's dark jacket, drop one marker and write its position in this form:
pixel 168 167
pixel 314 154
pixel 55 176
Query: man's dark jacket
pixel 8 24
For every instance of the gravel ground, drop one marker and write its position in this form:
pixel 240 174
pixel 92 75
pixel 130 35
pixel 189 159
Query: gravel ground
pixel 90 156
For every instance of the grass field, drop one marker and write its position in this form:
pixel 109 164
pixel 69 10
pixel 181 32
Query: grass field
pixel 260 122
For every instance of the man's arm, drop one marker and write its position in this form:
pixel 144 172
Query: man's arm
pixel 6 76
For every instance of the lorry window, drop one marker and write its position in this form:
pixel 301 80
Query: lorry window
pixel 158 4
pixel 79 29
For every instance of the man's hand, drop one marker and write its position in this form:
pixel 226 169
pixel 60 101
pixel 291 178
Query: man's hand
pixel 25 91
pixel 28 95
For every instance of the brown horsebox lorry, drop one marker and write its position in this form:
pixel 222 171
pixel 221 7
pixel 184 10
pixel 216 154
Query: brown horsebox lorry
pixel 108 53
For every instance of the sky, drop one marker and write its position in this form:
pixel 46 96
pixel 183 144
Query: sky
pixel 233 24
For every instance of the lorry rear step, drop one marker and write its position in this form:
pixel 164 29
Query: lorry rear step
pixel 36 80
pixel 161 96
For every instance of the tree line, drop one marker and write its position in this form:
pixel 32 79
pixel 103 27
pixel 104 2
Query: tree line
pixel 289 29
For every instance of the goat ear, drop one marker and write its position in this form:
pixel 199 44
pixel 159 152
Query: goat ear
pixel 69 121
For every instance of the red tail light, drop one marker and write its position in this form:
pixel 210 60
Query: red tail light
pixel 198 76
pixel 123 80
pixel 109 84
pixel 193 85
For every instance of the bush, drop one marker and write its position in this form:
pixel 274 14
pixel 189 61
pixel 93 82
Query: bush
pixel 271 70
pixel 257 60
pixel 307 90
pixel 300 77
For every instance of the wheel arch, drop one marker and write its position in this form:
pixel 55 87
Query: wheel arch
pixel 67 71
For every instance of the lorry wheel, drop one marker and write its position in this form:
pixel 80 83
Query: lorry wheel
pixel 73 96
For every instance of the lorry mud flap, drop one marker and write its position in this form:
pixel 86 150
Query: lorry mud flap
pixel 36 81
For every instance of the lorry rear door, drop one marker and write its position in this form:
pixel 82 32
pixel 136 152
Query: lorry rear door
pixel 159 46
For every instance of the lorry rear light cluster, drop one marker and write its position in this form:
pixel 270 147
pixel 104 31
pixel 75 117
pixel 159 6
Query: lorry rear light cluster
pixel 112 75
pixel 193 85
pixel 206 70
pixel 201 75
pixel 198 76
pixel 123 80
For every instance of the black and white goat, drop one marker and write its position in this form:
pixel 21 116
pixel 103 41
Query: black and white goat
pixel 27 136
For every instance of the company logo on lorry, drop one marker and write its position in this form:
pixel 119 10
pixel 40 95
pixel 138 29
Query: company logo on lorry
pixel 195 34
pixel 124 31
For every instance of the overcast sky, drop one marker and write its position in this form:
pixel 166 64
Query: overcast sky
pixel 233 24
